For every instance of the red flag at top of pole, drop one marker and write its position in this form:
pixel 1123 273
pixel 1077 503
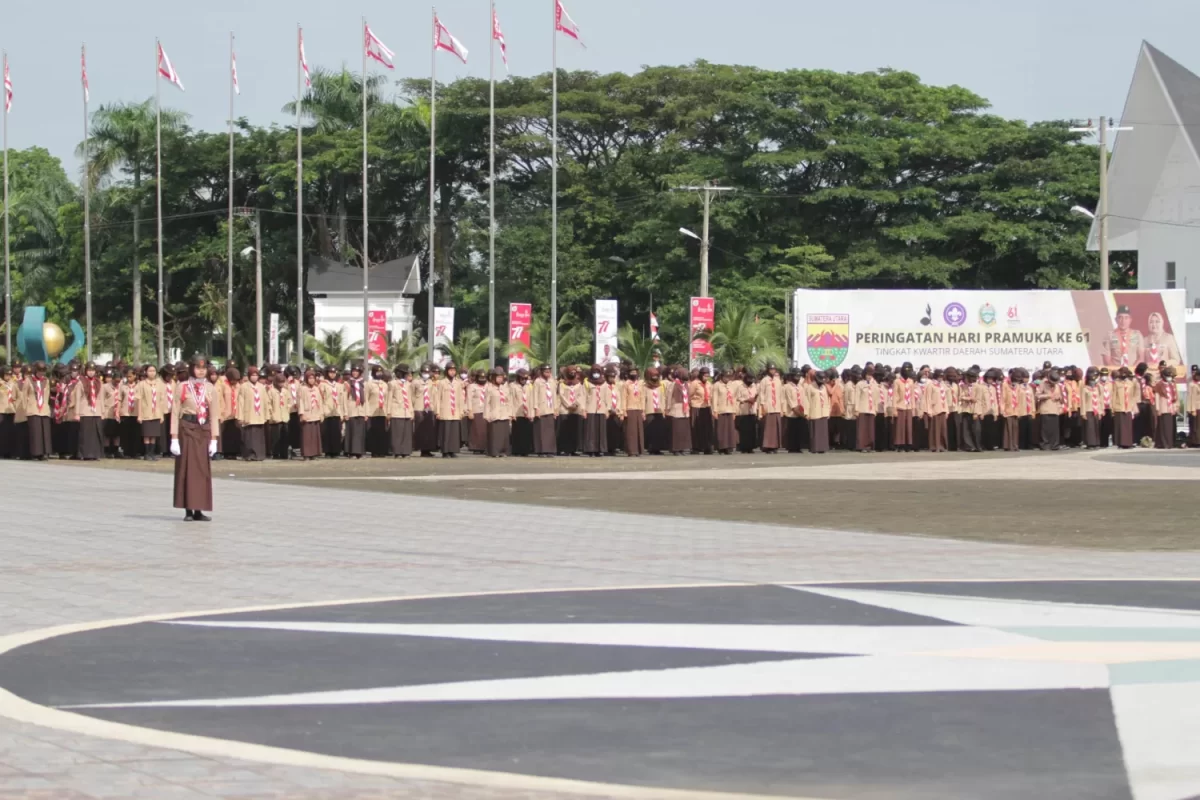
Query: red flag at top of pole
pixel 564 24
pixel 304 63
pixel 377 49
pixel 7 88
pixel 653 326
pixel 87 95
pixel 443 39
pixel 498 35
pixel 166 70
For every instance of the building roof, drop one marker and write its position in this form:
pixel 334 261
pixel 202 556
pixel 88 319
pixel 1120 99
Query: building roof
pixel 399 276
pixel 1163 111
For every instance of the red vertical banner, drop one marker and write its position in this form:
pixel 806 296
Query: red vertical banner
pixel 377 330
pixel 703 317
pixel 520 317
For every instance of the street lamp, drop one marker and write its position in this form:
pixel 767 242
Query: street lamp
pixel 1083 212
pixel 256 249
pixel 690 234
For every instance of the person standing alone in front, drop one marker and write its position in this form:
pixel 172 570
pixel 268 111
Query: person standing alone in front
pixel 194 432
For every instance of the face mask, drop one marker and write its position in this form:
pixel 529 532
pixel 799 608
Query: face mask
pixel 595 376
pixel 425 375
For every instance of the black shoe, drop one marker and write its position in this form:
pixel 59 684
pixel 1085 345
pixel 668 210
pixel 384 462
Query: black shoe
pixel 187 516
pixel 198 516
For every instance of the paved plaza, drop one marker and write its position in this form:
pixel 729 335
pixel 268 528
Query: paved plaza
pixel 372 635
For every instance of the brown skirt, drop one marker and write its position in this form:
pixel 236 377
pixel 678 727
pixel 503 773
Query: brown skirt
pixel 151 428
pixel 1164 432
pixel 865 437
pixel 425 428
pixel 356 436
pixel 772 432
pixel 1123 429
pixel 545 442
pixel 1193 430
pixel 681 434
pixel 450 436
pixel 1091 429
pixel 902 428
pixel 818 435
pixel 615 430
pixel 231 439
pixel 1012 434
pixel 595 434
pixel 658 433
pixel 91 443
pixel 401 434
pixel 39 437
pixel 193 470
pixel 522 436
pixel 635 433
pixel 310 439
pixel 702 430
pixel 499 433
pixel 937 433
pixel 726 433
pixel 254 442
pixel 477 437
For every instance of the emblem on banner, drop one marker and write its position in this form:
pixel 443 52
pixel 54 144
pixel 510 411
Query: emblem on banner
pixel 828 337
pixel 987 315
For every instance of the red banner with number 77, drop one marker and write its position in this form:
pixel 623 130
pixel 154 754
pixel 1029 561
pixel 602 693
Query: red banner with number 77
pixel 520 317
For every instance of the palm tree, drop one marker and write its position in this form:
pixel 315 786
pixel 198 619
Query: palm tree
pixel 34 201
pixel 408 350
pixel 574 342
pixel 122 138
pixel 332 350
pixel 641 350
pixel 739 338
pixel 469 352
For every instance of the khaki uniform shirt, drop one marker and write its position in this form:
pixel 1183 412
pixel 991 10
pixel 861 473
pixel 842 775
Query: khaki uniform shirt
pixel 521 398
pixel 81 399
pixel 656 399
pixel 333 399
pixel 451 399
pixel 8 397
pixel 700 394
pixel 817 402
pixel 252 405
pixel 867 397
pixel 545 394
pixel 747 398
pixel 497 405
pixel 151 400
pixel 377 398
pixel 634 396
pixel 770 396
pixel 724 398
pixel 355 408
pixel 399 401
pixel 127 399
pixel 186 403
pixel 571 399
pixel 905 394
pixel 1049 399
pixel 310 403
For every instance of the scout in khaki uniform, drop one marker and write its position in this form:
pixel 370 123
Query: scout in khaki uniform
pixel 88 400
pixel 8 412
pixel 151 401
pixel 477 424
pixel 1166 405
pixel 700 403
pixel 1049 408
pixel 20 378
pixel 1012 397
pixel 679 412
pixel 333 409
pixel 835 388
pixel 614 408
pixel 451 409
pixel 253 414
pixel 521 395
pixel 1193 408
pixel 231 435
pixel 37 412
pixel 866 403
pixel 633 402
pixel 1106 417
pixel 885 418
pixel 1124 407
pixel 570 408
pixel 401 411
pixel 498 412
pixel 817 407
pixel 770 409
pixel 725 409
pixel 310 403
pixel 126 403
pixel 595 420
pixel 424 415
pixel 746 422
pixel 934 409
pixel 356 413
pixel 545 411
pixel 904 403
pixel 793 410
pixel 279 403
pixel 377 420
pixel 1091 408
pixel 194 432
pixel 658 430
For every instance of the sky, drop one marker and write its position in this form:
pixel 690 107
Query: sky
pixel 1032 59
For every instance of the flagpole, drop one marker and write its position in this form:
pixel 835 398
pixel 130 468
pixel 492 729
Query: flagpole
pixel 299 203
pixel 7 273
pixel 554 201
pixel 432 177
pixel 229 224
pixel 366 313
pixel 87 219
pixel 492 189
pixel 162 353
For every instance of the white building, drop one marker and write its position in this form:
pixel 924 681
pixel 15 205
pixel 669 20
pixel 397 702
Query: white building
pixel 337 293
pixel 1154 181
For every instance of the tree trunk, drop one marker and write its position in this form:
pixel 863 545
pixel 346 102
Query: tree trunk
pixel 137 265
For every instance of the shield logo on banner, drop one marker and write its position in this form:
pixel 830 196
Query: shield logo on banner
pixel 828 337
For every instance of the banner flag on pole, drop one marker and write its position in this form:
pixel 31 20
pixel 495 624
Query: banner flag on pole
pixel 520 317
pixel 7 88
pixel 443 39
pixel 565 25
pixel 377 50
pixel 233 65
pixel 653 326
pixel 87 95
pixel 304 62
pixel 498 35
pixel 166 70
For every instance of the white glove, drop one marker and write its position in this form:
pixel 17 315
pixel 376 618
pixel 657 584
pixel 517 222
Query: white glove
pixel 175 447
pixel 212 447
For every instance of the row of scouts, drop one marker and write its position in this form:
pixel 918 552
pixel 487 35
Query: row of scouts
pixel 86 412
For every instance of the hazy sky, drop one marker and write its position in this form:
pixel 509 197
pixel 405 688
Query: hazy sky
pixel 1034 59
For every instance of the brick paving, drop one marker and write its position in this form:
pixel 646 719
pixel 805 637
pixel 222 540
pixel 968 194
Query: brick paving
pixel 88 545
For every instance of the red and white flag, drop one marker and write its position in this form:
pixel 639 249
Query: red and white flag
pixel 304 61
pixel 564 24
pixel 653 326
pixel 498 35
pixel 166 70
pixel 377 49
pixel 443 39
pixel 87 95
pixel 7 88
pixel 233 66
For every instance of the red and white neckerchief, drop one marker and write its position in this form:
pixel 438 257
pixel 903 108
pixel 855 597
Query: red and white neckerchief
pixel 503 395
pixel 313 395
pixel 170 396
pixel 1154 353
pixel 257 399
pixel 524 400
pixel 356 391
pixel 1095 393
pixel 426 389
pixel 382 393
pixel 294 387
pixel 201 397
pixel 612 396
pixel 39 393
pixel 453 401
pixel 908 387
pixel 871 386
pixel 232 397
pixel 482 394
pixel 891 389
pixel 683 390
pixel 1171 393
pixel 1066 394
pixel 154 397
pixel 707 397
pixel 571 395
pixel 11 392
pixel 131 399
pixel 92 392
pixel 728 396
pixel 941 387
pixel 774 395
pixel 549 396
pixel 1124 337
pixel 654 393
pixel 337 387
pixel 1107 391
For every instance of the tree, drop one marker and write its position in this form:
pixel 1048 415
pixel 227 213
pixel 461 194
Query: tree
pixel 409 349
pixel 574 345
pixel 123 138
pixel 469 351
pixel 332 350
pixel 740 339
pixel 635 347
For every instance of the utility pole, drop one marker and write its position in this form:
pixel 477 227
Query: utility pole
pixel 1101 131
pixel 258 285
pixel 705 240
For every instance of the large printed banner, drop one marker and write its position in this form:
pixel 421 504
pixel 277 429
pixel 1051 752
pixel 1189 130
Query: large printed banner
pixel 443 332
pixel 377 330
pixel 606 332
pixel 520 317
pixel 703 317
pixel 835 329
